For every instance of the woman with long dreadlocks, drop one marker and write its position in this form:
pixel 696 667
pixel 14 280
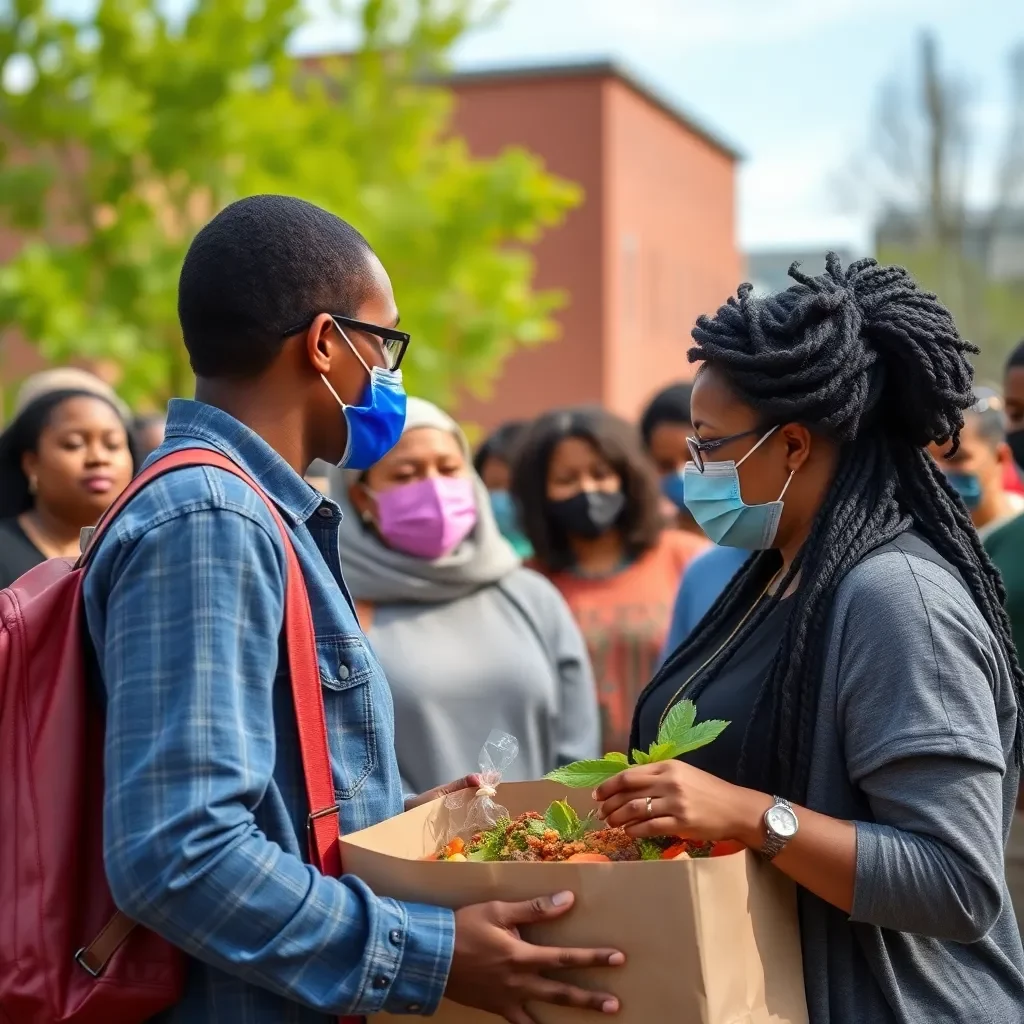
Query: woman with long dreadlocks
pixel 863 658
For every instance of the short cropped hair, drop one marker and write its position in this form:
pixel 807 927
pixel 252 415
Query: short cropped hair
pixel 262 267
pixel 501 444
pixel 671 405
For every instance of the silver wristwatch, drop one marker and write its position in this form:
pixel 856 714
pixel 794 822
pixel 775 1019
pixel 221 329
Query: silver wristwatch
pixel 781 825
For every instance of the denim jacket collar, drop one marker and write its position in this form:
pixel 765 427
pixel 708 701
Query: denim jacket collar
pixel 190 421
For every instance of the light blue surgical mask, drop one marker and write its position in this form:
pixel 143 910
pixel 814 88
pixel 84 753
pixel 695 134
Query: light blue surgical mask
pixel 714 500
pixel 375 425
pixel 507 517
pixel 505 513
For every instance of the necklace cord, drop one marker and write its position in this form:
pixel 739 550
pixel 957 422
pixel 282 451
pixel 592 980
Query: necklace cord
pixel 739 625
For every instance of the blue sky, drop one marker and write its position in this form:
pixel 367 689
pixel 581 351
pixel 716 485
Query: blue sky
pixel 793 83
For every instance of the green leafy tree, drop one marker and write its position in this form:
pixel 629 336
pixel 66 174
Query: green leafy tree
pixel 120 135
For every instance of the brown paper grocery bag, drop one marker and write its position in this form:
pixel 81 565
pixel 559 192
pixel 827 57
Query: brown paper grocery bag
pixel 707 941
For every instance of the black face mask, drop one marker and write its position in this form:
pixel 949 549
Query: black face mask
pixel 589 513
pixel 1016 442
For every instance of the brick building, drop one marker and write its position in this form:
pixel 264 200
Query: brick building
pixel 652 245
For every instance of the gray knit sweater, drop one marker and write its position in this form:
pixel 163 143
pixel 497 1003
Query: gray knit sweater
pixel 914 742
pixel 507 656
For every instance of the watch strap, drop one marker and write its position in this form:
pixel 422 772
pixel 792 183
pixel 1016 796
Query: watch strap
pixel 773 843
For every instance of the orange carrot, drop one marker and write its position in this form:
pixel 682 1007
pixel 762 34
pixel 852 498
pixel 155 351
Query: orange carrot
pixel 675 850
pixel 457 845
pixel 587 858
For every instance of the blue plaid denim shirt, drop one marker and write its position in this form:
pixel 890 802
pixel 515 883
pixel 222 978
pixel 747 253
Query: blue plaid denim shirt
pixel 205 810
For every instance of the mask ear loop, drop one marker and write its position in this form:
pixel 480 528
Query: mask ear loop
pixel 756 446
pixel 792 473
pixel 355 352
pixel 754 449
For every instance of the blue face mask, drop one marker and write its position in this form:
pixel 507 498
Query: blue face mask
pixel 507 518
pixel 375 425
pixel 504 509
pixel 673 487
pixel 714 500
pixel 968 486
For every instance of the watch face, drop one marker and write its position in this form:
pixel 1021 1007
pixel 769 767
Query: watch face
pixel 782 821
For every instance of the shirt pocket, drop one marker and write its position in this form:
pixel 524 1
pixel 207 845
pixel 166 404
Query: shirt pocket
pixel 345 672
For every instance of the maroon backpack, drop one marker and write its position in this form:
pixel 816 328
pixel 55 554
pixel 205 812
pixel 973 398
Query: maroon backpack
pixel 67 955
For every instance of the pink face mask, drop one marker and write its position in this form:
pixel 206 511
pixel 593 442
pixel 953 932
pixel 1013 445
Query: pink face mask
pixel 428 518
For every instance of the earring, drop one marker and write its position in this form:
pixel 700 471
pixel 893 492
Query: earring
pixel 366 516
pixel 33 484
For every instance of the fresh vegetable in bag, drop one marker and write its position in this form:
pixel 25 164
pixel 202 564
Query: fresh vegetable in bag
pixel 482 830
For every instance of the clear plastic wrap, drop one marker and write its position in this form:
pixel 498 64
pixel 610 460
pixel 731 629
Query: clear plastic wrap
pixel 471 811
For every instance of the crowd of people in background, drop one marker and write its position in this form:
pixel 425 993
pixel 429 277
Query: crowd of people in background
pixel 470 640
pixel 547 574
pixel 565 582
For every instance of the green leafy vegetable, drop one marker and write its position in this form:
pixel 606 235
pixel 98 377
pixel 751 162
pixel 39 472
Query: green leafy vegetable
pixel 678 735
pixel 660 752
pixel 492 842
pixel 583 774
pixel 649 850
pixel 699 736
pixel 678 721
pixel 562 818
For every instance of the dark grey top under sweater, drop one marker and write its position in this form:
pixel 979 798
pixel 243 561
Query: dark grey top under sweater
pixel 913 741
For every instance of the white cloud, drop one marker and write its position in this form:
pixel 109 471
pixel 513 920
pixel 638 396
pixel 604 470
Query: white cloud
pixel 787 197
pixel 790 81
pixel 660 28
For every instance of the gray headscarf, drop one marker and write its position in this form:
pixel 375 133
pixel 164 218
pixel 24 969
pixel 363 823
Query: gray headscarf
pixel 377 574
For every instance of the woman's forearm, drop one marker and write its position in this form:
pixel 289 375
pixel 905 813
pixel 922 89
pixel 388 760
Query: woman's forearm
pixel 822 856
pixel 914 868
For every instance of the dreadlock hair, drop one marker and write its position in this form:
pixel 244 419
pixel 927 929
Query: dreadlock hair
pixel 864 357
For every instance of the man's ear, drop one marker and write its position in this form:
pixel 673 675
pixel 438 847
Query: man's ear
pixel 322 343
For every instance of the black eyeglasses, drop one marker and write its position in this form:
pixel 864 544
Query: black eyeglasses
pixel 697 448
pixel 392 341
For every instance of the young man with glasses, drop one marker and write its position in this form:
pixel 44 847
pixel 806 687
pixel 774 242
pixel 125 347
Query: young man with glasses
pixel 289 320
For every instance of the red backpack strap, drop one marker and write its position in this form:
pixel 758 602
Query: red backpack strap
pixel 323 823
